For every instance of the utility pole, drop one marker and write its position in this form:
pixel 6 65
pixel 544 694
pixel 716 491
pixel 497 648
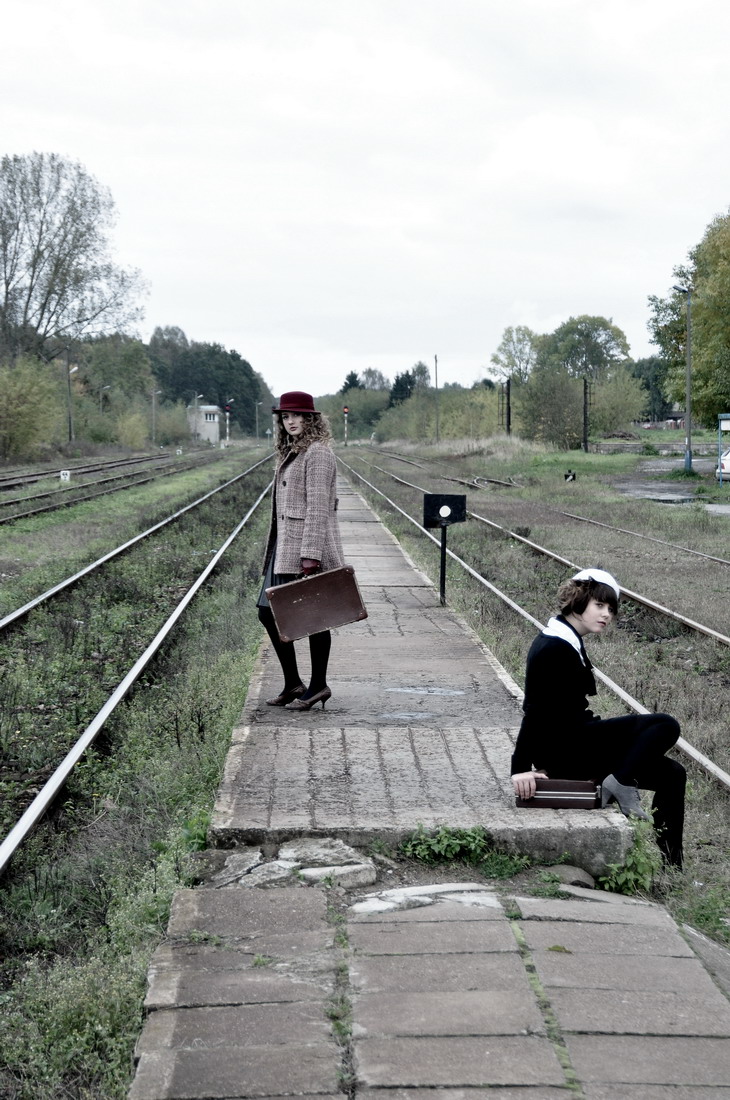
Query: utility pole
pixel 155 394
pixel 436 382
pixel 688 382
pixel 69 371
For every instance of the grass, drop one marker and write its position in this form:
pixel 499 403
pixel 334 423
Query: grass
pixel 86 901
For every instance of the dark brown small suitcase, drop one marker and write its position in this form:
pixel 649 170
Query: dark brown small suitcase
pixel 562 794
pixel 322 601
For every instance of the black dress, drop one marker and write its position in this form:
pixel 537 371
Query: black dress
pixel 561 735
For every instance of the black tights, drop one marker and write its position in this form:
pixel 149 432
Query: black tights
pixel 633 748
pixel 319 651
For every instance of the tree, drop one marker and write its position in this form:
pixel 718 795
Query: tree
pixel 58 280
pixel 32 406
pixel 402 388
pixel 551 408
pixel 421 376
pixel 352 382
pixel 117 361
pixel 166 349
pixel 652 373
pixel 586 347
pixel 617 403
pixel 708 277
pixel 374 380
pixel 515 356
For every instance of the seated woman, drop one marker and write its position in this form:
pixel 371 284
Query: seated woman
pixel 562 738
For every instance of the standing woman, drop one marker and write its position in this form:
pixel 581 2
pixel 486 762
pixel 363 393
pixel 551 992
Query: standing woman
pixel 562 738
pixel 304 535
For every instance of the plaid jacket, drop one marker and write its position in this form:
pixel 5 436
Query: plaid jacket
pixel 304 512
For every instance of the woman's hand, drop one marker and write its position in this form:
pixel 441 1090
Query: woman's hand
pixel 524 783
pixel 309 566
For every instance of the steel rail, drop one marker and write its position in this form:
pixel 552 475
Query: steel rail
pixel 142 478
pixel 50 789
pixel 9 481
pixel 13 616
pixel 636 597
pixel 171 464
pixel 703 761
pixel 651 538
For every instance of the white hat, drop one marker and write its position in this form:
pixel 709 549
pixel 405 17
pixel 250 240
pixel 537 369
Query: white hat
pixel 601 576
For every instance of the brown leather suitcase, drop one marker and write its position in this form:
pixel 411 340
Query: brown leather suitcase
pixel 322 601
pixel 562 794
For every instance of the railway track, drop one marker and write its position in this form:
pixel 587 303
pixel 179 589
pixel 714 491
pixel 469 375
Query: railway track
pixel 17 479
pixel 701 759
pixel 78 494
pixel 159 582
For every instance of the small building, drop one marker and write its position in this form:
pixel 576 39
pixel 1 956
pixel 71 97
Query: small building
pixel 205 423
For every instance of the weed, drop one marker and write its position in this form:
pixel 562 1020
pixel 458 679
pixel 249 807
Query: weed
pixel 195 831
pixel 549 886
pixel 262 960
pixel 339 1013
pixel 472 846
pixel 640 868
pixel 199 936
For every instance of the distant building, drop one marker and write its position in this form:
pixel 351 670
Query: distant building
pixel 205 423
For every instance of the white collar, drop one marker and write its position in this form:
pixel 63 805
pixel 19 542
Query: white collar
pixel 557 628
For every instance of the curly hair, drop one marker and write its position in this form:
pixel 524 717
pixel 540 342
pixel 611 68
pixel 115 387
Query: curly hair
pixel 316 429
pixel 574 596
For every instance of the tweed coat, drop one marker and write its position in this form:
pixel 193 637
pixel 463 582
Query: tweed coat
pixel 304 512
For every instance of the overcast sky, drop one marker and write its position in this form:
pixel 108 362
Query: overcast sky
pixel 330 185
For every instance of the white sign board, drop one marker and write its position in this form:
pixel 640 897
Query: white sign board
pixel 725 425
pixel 65 475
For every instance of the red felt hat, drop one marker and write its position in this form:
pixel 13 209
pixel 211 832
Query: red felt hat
pixel 295 402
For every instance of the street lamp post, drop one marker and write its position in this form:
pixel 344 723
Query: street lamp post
pixel 196 434
pixel 257 421
pixel 69 371
pixel 155 393
pixel 688 381
pixel 436 384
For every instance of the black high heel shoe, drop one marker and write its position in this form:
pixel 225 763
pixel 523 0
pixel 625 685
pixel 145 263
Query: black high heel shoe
pixel 307 704
pixel 626 795
pixel 286 696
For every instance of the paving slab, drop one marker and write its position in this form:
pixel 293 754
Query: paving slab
pixel 654 1092
pixel 226 1026
pixel 445 1093
pixel 444 937
pixel 501 1012
pixel 653 1060
pixel 434 973
pixel 562 969
pixel 185 980
pixel 658 1012
pixel 439 1062
pixel 239 1072
pixel 600 939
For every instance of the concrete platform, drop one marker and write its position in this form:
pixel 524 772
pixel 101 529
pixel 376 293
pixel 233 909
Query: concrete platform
pixel 435 992
pixel 419 731
pixel 441 990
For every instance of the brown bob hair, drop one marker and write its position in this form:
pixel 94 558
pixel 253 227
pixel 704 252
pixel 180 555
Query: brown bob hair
pixel 574 596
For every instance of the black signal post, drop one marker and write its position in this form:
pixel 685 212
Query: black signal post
pixel 441 510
